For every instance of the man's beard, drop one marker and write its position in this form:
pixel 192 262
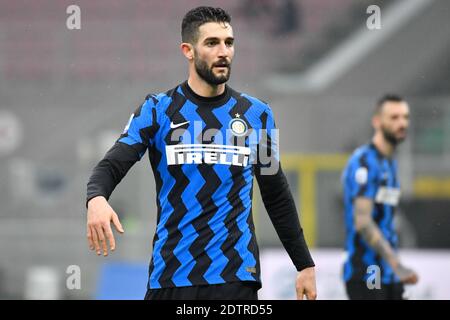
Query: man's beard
pixel 390 137
pixel 207 74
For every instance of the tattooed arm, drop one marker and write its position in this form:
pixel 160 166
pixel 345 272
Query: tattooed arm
pixel 371 233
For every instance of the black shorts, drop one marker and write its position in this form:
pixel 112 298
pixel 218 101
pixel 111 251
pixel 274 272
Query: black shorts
pixel 358 290
pixel 246 290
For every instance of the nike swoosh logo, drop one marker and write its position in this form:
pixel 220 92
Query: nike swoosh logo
pixel 173 125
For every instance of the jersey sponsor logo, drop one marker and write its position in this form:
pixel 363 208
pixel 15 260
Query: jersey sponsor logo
pixel 176 125
pixel 128 124
pixel 361 175
pixel 388 196
pixel 207 153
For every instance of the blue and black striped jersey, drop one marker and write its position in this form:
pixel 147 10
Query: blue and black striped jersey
pixel 204 153
pixel 369 174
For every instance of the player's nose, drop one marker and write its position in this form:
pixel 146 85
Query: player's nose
pixel 224 50
pixel 404 124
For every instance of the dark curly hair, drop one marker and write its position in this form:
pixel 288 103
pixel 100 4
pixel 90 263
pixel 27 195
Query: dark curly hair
pixel 198 16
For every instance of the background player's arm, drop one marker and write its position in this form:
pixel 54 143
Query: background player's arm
pixel 373 236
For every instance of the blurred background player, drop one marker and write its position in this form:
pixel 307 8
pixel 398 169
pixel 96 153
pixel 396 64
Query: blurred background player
pixel 371 196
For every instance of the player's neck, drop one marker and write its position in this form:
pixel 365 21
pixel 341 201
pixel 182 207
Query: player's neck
pixel 204 89
pixel 383 146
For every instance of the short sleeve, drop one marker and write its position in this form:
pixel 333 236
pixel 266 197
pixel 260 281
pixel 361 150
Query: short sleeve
pixel 363 178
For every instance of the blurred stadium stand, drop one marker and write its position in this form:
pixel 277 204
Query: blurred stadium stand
pixel 65 96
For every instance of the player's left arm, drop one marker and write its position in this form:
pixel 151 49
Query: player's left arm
pixel 280 206
pixel 281 209
pixel 371 233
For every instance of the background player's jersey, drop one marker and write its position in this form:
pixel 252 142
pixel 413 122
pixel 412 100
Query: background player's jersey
pixel 369 174
pixel 201 153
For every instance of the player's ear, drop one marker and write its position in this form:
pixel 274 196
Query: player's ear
pixel 376 121
pixel 188 50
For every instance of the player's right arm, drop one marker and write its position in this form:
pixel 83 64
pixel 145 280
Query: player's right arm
pixel 108 173
pixel 373 236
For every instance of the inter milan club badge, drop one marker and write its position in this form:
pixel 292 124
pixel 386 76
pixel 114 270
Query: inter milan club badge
pixel 238 126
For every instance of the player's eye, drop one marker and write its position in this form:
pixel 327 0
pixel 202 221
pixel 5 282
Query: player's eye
pixel 229 43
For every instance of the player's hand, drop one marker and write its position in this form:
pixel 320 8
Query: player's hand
pixel 99 217
pixel 406 275
pixel 306 284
